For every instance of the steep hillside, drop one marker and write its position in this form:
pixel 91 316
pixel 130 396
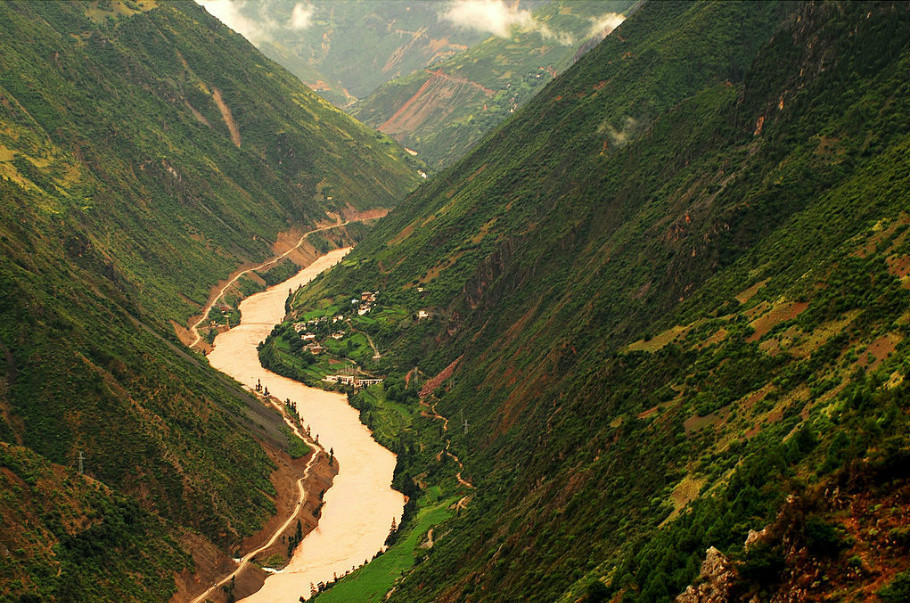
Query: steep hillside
pixel 665 305
pixel 441 111
pixel 81 128
pixel 145 151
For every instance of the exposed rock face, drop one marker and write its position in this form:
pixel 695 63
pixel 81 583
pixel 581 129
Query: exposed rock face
pixel 715 582
pixel 754 537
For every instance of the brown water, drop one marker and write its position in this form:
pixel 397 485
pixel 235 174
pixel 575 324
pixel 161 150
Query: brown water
pixel 360 505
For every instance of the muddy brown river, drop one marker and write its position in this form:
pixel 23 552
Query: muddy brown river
pixel 360 505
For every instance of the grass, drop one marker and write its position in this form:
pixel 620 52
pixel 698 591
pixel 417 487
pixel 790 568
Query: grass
pixel 297 448
pixel 388 419
pixel 373 581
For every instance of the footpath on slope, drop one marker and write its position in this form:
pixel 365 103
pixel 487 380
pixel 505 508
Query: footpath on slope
pixel 216 589
pixel 194 328
pixel 445 427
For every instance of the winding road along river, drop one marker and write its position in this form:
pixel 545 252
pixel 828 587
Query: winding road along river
pixel 360 505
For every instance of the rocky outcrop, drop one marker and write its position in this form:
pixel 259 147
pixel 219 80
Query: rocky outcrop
pixel 715 582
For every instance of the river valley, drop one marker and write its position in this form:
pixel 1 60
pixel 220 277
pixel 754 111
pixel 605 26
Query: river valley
pixel 360 506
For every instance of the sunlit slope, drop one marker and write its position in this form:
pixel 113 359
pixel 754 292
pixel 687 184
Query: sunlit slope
pixel 348 49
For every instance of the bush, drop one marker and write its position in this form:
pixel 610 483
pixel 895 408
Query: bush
pixel 762 563
pixel 898 591
pixel 822 538
pixel 596 592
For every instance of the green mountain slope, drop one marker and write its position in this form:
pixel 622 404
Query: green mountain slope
pixel 443 110
pixel 668 303
pixel 82 127
pixel 145 152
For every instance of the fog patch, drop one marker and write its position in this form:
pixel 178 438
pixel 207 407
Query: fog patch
pixel 301 16
pixel 500 19
pixel 620 138
pixel 603 25
pixel 259 21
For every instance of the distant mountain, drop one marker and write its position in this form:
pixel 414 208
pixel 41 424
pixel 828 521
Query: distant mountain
pixel 435 75
pixel 663 308
pixel 146 151
pixel 441 111
pixel 345 50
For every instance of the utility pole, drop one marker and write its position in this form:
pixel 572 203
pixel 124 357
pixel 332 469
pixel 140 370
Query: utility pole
pixel 81 458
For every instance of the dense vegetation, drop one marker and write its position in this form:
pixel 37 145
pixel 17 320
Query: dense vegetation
pixel 145 152
pixel 668 301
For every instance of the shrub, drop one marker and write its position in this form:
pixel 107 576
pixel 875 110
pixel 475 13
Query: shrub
pixel 898 590
pixel 822 538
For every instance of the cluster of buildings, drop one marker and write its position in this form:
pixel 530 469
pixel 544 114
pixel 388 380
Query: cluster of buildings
pixel 310 339
pixel 365 303
pixel 353 380
pixel 307 332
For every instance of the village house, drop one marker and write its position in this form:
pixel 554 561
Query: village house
pixel 352 380
pixel 345 379
pixel 314 348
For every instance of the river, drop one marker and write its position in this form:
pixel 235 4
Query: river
pixel 360 505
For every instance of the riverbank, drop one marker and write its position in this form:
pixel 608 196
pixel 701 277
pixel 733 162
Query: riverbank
pixel 293 245
pixel 212 564
pixel 361 505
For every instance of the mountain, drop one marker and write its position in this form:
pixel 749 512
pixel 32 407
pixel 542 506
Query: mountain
pixel 442 110
pixel 146 152
pixel 345 50
pixel 429 74
pixel 662 309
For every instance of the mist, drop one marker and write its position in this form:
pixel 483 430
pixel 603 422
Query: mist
pixel 255 20
pixel 499 18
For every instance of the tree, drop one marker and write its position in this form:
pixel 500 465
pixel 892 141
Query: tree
pixel 597 592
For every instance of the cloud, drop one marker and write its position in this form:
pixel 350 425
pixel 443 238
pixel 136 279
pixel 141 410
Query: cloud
pixel 255 21
pixel 562 38
pixel 492 16
pixel 228 12
pixel 606 23
pixel 301 17
pixel 619 138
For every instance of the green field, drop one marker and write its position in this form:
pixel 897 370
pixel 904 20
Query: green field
pixel 373 581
